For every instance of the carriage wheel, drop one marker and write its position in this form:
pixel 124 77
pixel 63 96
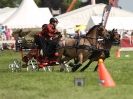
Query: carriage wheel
pixel 47 68
pixel 67 68
pixel 15 65
pixel 32 65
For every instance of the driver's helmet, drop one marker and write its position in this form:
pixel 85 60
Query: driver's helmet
pixel 53 20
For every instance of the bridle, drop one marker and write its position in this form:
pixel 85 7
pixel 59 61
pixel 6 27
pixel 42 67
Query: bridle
pixel 99 39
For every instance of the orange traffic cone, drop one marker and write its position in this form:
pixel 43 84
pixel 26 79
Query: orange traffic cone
pixel 118 53
pixel 104 76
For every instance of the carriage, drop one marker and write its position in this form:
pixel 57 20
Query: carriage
pixel 32 58
pixel 79 49
pixel 35 60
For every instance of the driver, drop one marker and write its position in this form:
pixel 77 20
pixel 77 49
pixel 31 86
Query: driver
pixel 47 34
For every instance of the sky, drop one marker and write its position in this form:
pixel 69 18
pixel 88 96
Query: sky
pixel 126 4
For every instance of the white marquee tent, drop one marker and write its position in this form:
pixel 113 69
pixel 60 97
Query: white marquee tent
pixel 28 15
pixel 6 12
pixel 83 15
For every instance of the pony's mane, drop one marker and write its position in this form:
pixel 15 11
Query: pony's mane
pixel 91 29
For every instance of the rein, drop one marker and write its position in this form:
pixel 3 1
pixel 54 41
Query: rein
pixel 98 40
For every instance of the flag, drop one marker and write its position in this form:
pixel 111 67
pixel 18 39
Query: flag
pixel 105 15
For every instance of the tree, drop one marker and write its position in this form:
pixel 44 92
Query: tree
pixel 14 3
pixel 102 1
pixel 7 3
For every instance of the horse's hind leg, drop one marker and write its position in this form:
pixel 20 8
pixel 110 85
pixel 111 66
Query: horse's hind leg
pixel 86 66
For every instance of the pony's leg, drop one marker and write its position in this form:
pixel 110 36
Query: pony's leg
pixel 96 68
pixel 86 66
pixel 63 64
pixel 71 64
pixel 76 61
pixel 76 66
pixel 62 68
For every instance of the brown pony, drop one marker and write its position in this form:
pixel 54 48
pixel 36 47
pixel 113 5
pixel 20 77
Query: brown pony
pixel 81 49
pixel 105 53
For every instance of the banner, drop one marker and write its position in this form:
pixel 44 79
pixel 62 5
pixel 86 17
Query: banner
pixel 105 15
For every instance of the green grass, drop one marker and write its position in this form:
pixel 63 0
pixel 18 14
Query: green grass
pixel 60 85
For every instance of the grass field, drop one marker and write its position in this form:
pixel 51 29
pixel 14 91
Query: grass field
pixel 60 85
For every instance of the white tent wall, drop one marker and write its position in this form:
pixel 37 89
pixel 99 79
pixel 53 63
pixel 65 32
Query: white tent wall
pixel 83 15
pixel 27 15
pixel 76 17
pixel 118 18
pixel 123 23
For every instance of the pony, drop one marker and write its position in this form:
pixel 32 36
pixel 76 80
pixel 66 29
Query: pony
pixel 105 53
pixel 81 49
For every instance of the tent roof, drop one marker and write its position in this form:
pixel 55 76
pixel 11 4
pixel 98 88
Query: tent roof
pixel 28 15
pixel 5 13
pixel 82 15
pixel 113 22
pixel 6 9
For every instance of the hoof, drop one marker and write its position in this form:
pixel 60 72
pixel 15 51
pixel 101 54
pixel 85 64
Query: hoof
pixel 81 70
pixel 61 70
pixel 74 69
pixel 71 64
pixel 95 70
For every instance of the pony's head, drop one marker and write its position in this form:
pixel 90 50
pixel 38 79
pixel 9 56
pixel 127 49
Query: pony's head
pixel 98 31
pixel 115 36
pixel 102 32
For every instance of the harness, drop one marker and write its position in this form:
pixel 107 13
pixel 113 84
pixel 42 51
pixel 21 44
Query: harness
pixel 78 46
pixel 99 40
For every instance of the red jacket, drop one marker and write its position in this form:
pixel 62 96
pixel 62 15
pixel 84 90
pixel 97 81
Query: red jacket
pixel 49 31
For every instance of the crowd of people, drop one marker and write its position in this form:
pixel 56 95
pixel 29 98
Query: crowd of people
pixel 5 35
